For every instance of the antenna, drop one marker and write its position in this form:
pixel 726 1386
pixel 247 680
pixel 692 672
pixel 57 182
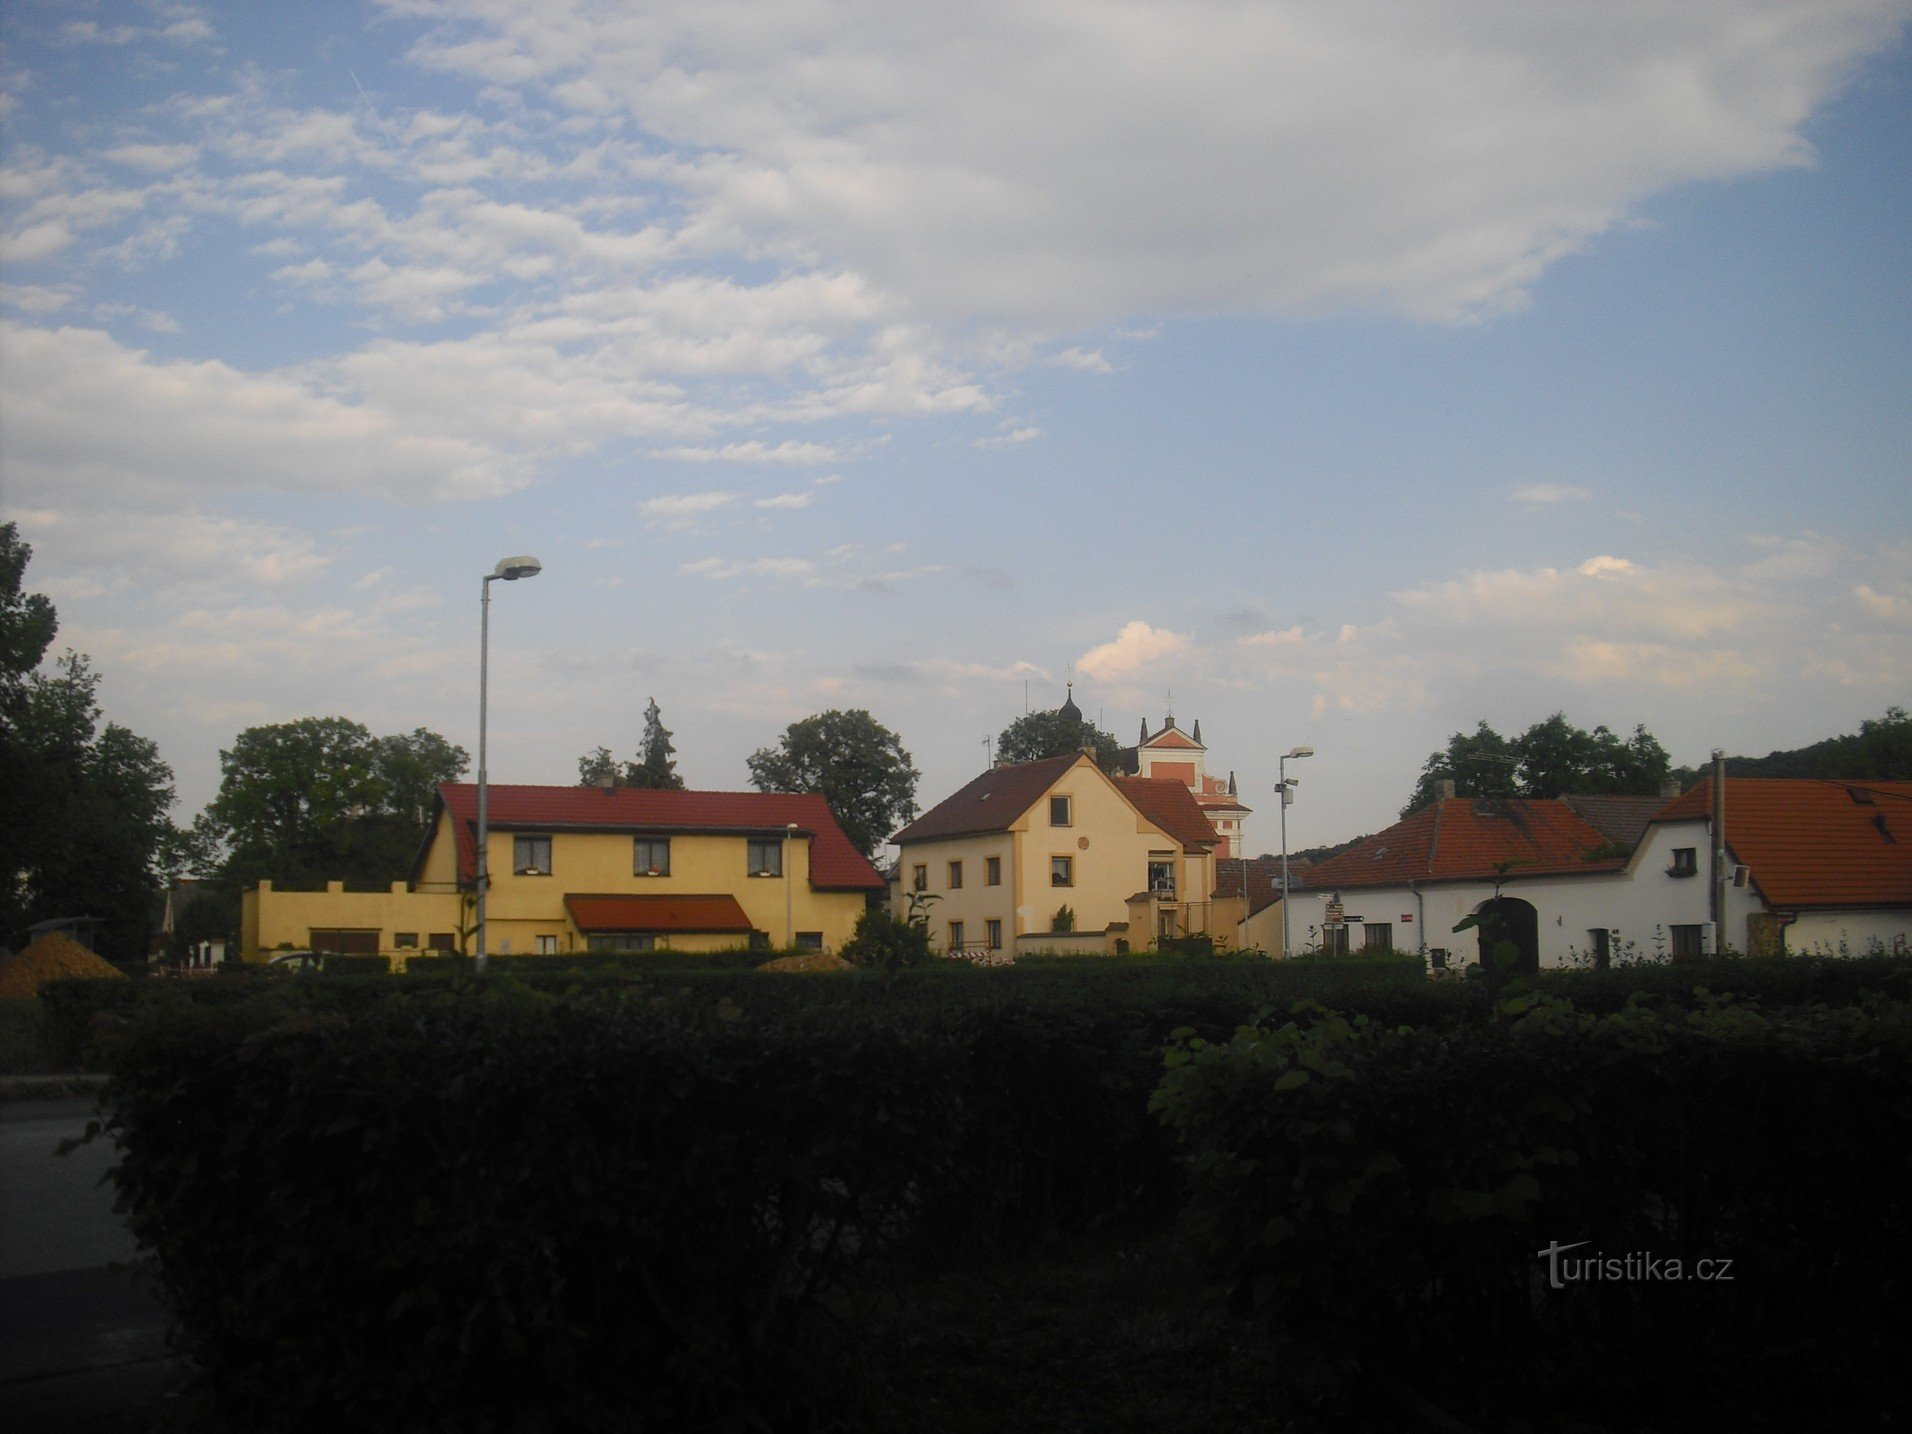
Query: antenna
pixel 989 753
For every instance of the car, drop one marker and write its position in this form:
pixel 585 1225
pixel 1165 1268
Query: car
pixel 294 963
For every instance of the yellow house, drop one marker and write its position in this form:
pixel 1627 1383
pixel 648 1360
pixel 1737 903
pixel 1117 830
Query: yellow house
pixel 589 868
pixel 1131 858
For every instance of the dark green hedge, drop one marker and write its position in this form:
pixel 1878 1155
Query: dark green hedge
pixel 1390 1194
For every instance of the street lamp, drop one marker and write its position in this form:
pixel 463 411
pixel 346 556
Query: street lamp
pixel 789 890
pixel 510 569
pixel 1287 795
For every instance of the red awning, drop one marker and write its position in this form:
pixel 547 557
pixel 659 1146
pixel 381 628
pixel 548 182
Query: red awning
pixel 657 913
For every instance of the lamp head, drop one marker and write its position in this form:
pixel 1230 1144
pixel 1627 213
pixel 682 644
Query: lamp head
pixel 523 566
pixel 1301 752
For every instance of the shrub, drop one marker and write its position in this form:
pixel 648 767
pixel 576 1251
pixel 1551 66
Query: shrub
pixel 883 943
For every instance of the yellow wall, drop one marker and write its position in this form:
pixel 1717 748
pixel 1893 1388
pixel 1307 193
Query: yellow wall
pixel 273 919
pixel 976 903
pixel 520 909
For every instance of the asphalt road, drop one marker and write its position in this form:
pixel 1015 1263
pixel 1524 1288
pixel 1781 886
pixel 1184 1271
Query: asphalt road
pixel 82 1333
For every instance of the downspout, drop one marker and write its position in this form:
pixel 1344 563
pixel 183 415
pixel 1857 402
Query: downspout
pixel 1420 917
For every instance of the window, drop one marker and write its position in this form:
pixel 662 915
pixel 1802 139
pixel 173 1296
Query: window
pixel 1165 926
pixel 405 940
pixel 919 878
pixel 547 945
pixel 1059 813
pixel 766 858
pixel 345 942
pixel 1688 941
pixel 1062 871
pixel 441 941
pixel 531 855
pixel 992 871
pixel 1334 940
pixel 1377 936
pixel 1162 872
pixel 1600 944
pixel 809 941
pixel 621 941
pixel 651 856
pixel 1685 861
pixel 992 930
pixel 955 876
pixel 955 936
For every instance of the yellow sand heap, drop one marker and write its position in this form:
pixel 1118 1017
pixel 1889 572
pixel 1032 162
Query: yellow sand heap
pixel 53 957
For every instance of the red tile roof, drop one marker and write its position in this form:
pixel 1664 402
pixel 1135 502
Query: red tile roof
pixel 990 803
pixel 1466 839
pixel 835 864
pixel 1171 806
pixel 1264 879
pixel 1811 843
pixel 717 913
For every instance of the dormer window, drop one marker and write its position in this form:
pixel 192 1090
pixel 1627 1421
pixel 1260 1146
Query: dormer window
pixel 531 855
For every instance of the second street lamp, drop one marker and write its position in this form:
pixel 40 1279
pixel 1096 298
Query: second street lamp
pixel 510 570
pixel 1287 796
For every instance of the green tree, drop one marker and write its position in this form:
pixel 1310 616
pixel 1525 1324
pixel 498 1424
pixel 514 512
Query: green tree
pixel 1036 735
pixel 322 799
pixel 654 770
pixel 1480 764
pixel 1880 751
pixel 87 805
pixel 855 762
pixel 1552 758
pixel 883 943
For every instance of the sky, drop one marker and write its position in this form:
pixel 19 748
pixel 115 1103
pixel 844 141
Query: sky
pixel 1338 373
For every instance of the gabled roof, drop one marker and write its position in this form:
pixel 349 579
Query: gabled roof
pixel 990 803
pixel 835 864
pixel 1176 738
pixel 1621 820
pixel 1466 839
pixel 1171 806
pixel 1811 843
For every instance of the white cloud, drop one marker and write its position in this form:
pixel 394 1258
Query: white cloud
pixel 1544 495
pixel 790 451
pixel 1137 649
pixel 681 510
pixel 85 414
pixel 1295 156
pixel 788 500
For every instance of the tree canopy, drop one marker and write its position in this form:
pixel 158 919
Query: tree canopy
pixel 654 770
pixel 322 799
pixel 1880 751
pixel 88 805
pixel 1552 758
pixel 1036 735
pixel 856 763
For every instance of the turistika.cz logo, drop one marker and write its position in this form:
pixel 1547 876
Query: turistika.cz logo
pixel 1564 1270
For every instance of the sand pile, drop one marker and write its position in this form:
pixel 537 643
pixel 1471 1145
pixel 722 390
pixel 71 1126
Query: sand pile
pixel 52 958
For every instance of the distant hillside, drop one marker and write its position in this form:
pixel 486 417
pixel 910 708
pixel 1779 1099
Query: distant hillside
pixel 1880 751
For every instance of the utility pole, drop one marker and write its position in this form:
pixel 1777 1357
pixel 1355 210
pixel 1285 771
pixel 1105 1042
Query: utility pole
pixel 1718 903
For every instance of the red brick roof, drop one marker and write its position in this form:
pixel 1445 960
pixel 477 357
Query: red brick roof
pixel 1811 843
pixel 1172 807
pixel 719 913
pixel 835 864
pixel 1465 839
pixel 990 803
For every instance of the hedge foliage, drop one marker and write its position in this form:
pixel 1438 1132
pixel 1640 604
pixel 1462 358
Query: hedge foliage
pixel 578 1199
pixel 1392 1193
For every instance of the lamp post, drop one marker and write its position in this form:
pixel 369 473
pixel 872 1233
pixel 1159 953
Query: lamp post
pixel 510 569
pixel 789 890
pixel 1287 795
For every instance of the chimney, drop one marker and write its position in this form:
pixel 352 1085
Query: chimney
pixel 1669 787
pixel 1444 789
pixel 606 783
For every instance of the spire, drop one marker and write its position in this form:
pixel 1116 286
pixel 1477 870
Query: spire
pixel 1145 731
pixel 1197 734
pixel 1231 786
pixel 1069 708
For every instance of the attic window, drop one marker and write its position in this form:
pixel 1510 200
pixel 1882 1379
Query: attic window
pixel 1379 852
pixel 1861 797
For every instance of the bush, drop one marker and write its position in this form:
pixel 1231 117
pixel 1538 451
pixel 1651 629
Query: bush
pixel 883 943
pixel 1385 1192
